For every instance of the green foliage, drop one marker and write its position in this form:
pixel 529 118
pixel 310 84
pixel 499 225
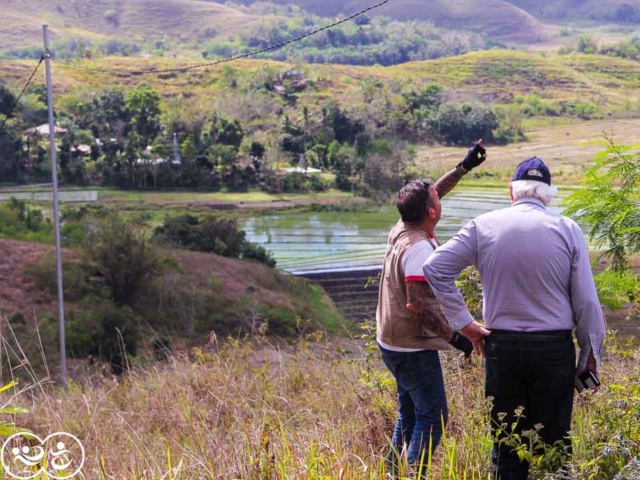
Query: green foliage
pixel 510 124
pixel 143 103
pixel 627 49
pixel 587 45
pixel 212 235
pixel 630 49
pixel 75 278
pixel 608 203
pixel 7 99
pixel 425 101
pixel 103 330
pixel 119 252
pixel 8 427
pixel 111 16
pixel 577 108
pixel 462 123
pixel 375 41
pixel 279 320
pixel 617 288
pixel 19 222
pixel 471 289
pixel 227 132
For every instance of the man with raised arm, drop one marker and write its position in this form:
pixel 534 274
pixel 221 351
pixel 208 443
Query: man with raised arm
pixel 411 327
pixel 538 287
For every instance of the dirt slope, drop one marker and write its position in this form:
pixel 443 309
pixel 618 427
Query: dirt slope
pixel 19 293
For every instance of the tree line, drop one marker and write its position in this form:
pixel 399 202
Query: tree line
pixel 125 139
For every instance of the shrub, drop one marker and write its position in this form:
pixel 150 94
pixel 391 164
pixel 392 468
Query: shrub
pixel 462 123
pixel 19 222
pixel 111 16
pixel 252 251
pixel 75 280
pixel 103 330
pixel 119 252
pixel 211 235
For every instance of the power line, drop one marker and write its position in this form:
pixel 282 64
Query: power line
pixel 230 59
pixel 21 94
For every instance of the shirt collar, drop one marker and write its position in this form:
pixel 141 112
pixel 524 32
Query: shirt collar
pixel 534 201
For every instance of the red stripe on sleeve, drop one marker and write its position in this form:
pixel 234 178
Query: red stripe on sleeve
pixel 415 278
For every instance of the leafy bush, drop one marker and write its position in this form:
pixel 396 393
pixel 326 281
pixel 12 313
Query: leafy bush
pixel 20 222
pixel 471 289
pixel 119 252
pixel 463 123
pixel 617 288
pixel 103 330
pixel 608 203
pixel 212 235
pixel 381 41
pixel 510 126
pixel 75 279
pixel 256 252
pixel 111 16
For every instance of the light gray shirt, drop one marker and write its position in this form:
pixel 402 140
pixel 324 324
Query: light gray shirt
pixel 535 271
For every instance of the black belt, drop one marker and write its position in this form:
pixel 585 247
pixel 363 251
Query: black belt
pixel 535 335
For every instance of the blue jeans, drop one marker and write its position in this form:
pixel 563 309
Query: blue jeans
pixel 423 404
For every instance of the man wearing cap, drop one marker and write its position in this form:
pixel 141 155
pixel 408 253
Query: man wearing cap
pixel 411 327
pixel 538 287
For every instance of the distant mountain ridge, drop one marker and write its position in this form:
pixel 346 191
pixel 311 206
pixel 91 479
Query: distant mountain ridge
pixel 191 21
pixel 134 20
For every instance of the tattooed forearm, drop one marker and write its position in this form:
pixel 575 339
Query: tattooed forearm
pixel 424 304
pixel 448 181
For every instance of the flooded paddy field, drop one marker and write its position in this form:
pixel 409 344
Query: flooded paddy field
pixel 317 241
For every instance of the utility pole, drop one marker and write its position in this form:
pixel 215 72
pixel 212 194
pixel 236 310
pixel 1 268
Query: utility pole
pixel 176 149
pixel 56 207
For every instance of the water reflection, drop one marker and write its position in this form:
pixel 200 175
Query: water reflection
pixel 349 240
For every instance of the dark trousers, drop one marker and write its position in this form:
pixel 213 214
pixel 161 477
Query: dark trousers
pixel 535 371
pixel 422 404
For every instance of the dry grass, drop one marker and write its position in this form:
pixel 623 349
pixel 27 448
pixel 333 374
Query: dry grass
pixel 560 147
pixel 138 20
pixel 491 76
pixel 304 411
pixel 19 292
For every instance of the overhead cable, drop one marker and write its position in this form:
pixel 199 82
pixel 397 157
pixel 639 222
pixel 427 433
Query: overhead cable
pixel 4 122
pixel 225 60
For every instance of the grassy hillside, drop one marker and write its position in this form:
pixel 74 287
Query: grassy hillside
pixel 493 76
pixel 202 290
pixel 140 20
pixel 310 410
pixel 494 18
pixel 188 25
pixel 576 9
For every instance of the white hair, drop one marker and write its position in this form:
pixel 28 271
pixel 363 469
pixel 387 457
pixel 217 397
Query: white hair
pixel 532 189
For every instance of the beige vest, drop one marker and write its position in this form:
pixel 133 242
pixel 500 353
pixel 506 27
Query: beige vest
pixel 397 326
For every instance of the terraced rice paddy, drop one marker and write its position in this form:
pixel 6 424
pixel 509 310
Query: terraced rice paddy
pixel 562 148
pixel 307 242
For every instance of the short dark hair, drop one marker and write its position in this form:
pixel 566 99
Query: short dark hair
pixel 414 200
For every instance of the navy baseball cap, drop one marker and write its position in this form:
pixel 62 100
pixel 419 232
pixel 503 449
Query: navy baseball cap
pixel 533 169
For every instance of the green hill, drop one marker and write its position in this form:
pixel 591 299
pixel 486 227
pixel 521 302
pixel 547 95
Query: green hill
pixel 193 22
pixel 494 18
pixel 574 10
pixel 493 76
pixel 139 20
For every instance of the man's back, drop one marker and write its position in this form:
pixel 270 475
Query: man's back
pixel 525 256
pixel 538 286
